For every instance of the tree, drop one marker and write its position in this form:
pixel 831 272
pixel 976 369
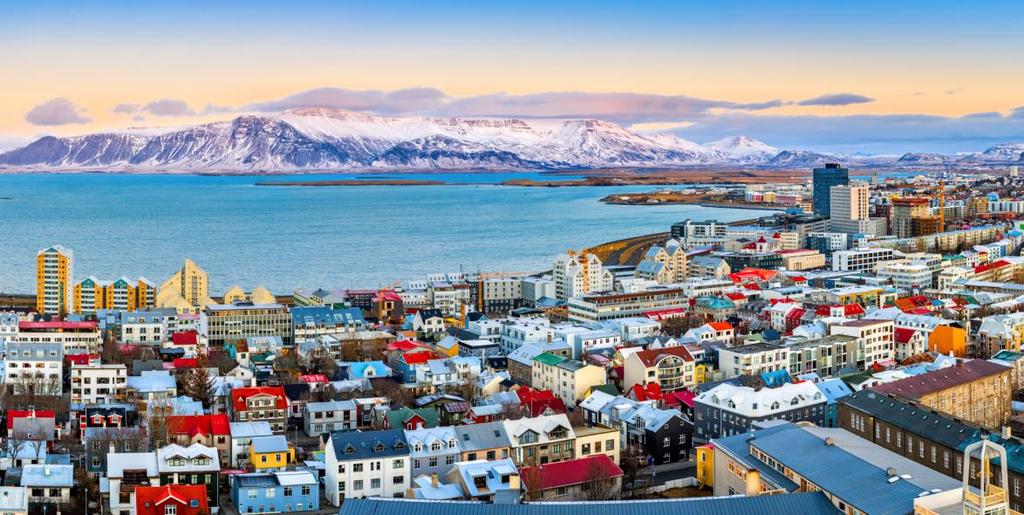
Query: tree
pixel 533 481
pixel 198 384
pixel 326 366
pixel 633 463
pixel 598 486
pixel 14 444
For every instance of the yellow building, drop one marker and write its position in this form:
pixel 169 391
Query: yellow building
pixel 188 290
pixel 270 453
pixel 92 294
pixel 946 339
pixel 259 295
pixel 54 269
pixel 706 465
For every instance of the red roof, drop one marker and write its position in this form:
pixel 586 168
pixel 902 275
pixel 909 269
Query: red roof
pixel 569 472
pixel 848 310
pixel 538 407
pixel 798 279
pixel 405 345
pixel 239 395
pixel 652 356
pixel 193 425
pixel 735 296
pixel 419 357
pixel 314 378
pixel 57 325
pixel 680 397
pixel 185 363
pixel 796 313
pixel 13 414
pixel 903 334
pixel 753 274
pixel 527 394
pixel 646 392
pixel 185 338
pixel 989 266
pixel 153 500
pixel 751 286
pixel 659 314
pixel 388 295
pixel 721 326
pixel 82 359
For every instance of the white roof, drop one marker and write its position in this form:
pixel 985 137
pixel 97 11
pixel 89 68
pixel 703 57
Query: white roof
pixel 295 477
pixel 118 462
pixel 748 402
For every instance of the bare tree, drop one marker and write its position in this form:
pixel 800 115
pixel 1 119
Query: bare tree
pixel 598 486
pixel 632 463
pixel 198 384
pixel 511 411
pixel 13 444
pixel 533 481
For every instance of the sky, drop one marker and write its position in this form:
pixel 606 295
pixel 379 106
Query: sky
pixel 860 76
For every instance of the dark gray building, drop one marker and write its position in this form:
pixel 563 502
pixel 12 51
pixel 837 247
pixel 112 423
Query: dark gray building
pixel 728 409
pixel 823 180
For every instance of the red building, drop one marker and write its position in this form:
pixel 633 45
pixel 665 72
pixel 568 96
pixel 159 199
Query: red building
pixel 176 499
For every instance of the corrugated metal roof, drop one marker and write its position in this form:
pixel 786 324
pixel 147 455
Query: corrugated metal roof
pixel 804 504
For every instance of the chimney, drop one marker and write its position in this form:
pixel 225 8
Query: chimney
pixel 1007 433
pixel 46 471
pixel 829 441
pixel 891 472
pixel 433 480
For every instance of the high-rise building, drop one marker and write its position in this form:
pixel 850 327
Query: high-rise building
pixel 187 290
pixel 822 181
pixel 848 208
pixel 54 269
pixel 576 275
pixel 904 211
pixel 92 294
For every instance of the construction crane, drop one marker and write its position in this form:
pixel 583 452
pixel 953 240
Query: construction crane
pixel 942 205
pixel 583 257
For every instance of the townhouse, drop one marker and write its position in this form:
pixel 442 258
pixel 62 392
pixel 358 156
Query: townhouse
pixel 540 440
pixel 665 435
pixel 727 409
pixel 329 416
pixel 98 384
pixel 196 465
pixel 672 368
pixel 366 464
pixel 433 451
pixel 260 403
pixel 276 492
pixel 570 380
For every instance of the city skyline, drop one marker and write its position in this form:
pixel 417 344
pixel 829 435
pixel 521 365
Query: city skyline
pixel 917 77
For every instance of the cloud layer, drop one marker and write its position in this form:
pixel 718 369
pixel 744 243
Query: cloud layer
pixel 59 111
pixel 836 99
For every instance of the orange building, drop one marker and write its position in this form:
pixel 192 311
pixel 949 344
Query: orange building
pixel 948 339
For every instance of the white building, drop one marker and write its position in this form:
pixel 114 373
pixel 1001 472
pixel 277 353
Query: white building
pixel 34 368
pixel 859 260
pixel 366 464
pixel 874 339
pixel 98 384
pixel 576 275
pixel 329 416
pixel 907 275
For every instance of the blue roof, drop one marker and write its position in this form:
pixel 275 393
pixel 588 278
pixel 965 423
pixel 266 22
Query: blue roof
pixel 836 471
pixel 738 446
pixel 265 444
pixel 358 369
pixel 327 316
pixel 834 389
pixel 369 444
pixel 805 504
pixel 775 378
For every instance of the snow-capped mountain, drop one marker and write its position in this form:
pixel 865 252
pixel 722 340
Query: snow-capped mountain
pixel 800 159
pixel 1006 152
pixel 328 139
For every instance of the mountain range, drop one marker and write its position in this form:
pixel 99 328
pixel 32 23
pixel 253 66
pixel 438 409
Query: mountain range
pixel 317 139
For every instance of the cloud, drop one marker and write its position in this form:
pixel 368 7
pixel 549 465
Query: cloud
pixel 401 101
pixel 1017 112
pixel 216 109
pixel 876 133
pixel 59 111
pixel 836 99
pixel 126 108
pixel 138 118
pixel 168 107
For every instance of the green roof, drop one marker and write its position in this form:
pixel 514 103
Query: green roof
pixel 609 388
pixel 548 359
pixel 397 417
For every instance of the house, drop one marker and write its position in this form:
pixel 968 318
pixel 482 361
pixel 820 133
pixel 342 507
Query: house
pixel 540 440
pixel 908 342
pixel 242 434
pixel 329 416
pixel 428 322
pixel 486 480
pixel 672 368
pixel 663 434
pixel 363 369
pixel 727 409
pixel 14 500
pixel 209 430
pixel 485 441
pixel 366 464
pixel 598 439
pixel 276 492
pixel 267 453
pixel 48 484
pixel 409 418
pixel 172 499
pixel 196 464
pixel 125 472
pixel 433 450
pixel 260 403
pixel 568 379
pixel 594 477
pixel 100 442
pixel 152 385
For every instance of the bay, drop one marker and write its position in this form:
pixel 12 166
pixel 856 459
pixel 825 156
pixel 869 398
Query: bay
pixel 290 237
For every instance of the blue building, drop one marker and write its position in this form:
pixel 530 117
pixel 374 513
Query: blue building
pixel 276 492
pixel 833 390
pixel 823 180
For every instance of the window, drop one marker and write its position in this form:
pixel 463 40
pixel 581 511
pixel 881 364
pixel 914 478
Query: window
pixel 252 493
pixel 357 484
pixel 287 491
pixel 171 509
pixel 271 492
pixel 398 464
pixel 374 483
pixel 306 490
pixel 397 480
pixel 432 462
pixel 449 459
pixel 357 467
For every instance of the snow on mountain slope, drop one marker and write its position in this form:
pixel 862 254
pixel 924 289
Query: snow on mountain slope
pixel 329 139
pixel 1005 152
